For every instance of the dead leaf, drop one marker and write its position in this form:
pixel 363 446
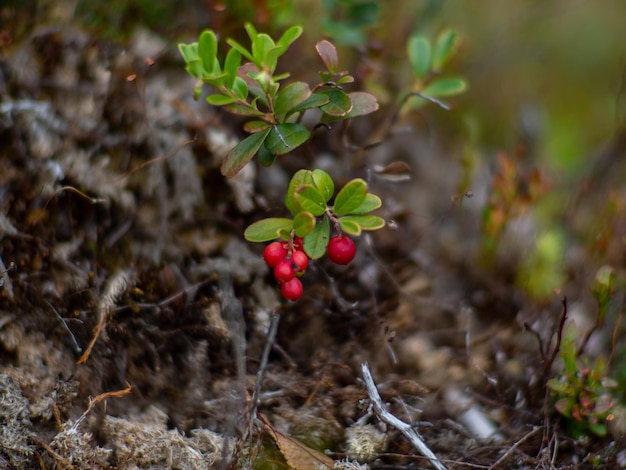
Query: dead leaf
pixel 297 455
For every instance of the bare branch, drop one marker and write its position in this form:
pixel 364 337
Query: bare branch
pixel 383 414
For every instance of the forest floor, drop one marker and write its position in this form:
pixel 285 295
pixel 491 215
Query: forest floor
pixel 117 231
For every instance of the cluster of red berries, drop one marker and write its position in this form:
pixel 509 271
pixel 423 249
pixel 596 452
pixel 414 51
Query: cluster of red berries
pixel 290 261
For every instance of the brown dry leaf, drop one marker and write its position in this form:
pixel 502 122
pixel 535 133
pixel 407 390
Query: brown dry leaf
pixel 297 455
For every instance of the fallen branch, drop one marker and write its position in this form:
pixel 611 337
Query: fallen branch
pixel 384 415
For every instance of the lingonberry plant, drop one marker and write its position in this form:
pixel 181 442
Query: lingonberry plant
pixel 252 88
pixel 308 233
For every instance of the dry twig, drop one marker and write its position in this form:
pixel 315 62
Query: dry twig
pixel 383 414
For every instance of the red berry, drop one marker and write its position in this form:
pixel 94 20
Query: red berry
pixel 300 260
pixel 292 290
pixel 298 243
pixel 341 249
pixel 284 271
pixel 273 253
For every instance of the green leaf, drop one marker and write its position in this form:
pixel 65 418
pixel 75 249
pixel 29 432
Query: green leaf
pixel 266 158
pixel 242 50
pixel 252 127
pixel 291 96
pixel 328 52
pixel 189 51
pixel 370 203
pixel 207 50
pixel 220 100
pixel 241 154
pixel 324 183
pixel 303 223
pixel 362 103
pixel 240 87
pixel 444 48
pixel 244 110
pixel 310 199
pixel 365 222
pixel 351 228
pixel 283 138
pixel 419 52
pixel 190 55
pixel 267 229
pixel 350 197
pixel 316 100
pixel 301 177
pixel 261 45
pixel 315 243
pixel 339 102
pixel 445 87
pixel 289 37
pixel 231 66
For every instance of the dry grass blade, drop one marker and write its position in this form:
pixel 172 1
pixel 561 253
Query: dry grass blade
pixel 115 287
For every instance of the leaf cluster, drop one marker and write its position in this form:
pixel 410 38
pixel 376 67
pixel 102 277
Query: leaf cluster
pixel 247 84
pixel 309 201
pixel 427 60
pixel 583 392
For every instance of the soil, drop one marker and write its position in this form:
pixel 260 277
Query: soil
pixel 134 316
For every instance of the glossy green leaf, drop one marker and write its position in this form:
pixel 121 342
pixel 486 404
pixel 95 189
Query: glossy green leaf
pixel 231 66
pixel 345 79
pixel 445 87
pixel 267 229
pixel 370 203
pixel 283 138
pixel 316 100
pixel 240 87
pixel 350 227
pixel 242 50
pixel 350 197
pixel 419 52
pixel 207 51
pixel 365 222
pixel 192 60
pixel 266 158
pixel 339 103
pixel 300 178
pixel 362 104
pixel 244 110
pixel 220 100
pixel 303 223
pixel 444 48
pixel 241 154
pixel 261 45
pixel 289 37
pixel 310 199
pixel 291 96
pixel 315 243
pixel 328 52
pixel 324 183
pixel 188 51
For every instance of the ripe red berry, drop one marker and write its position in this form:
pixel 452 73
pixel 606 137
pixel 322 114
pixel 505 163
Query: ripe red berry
pixel 273 253
pixel 292 290
pixel 300 260
pixel 284 271
pixel 341 249
pixel 298 243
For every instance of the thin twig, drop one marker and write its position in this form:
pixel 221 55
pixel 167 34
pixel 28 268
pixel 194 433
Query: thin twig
pixel 383 414
pixel 514 446
pixel 269 344
pixel 559 338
